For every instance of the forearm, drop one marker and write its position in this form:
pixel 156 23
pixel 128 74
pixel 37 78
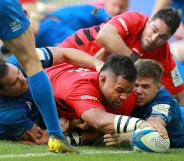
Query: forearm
pixel 102 55
pixel 110 123
pixel 112 42
pixel 159 4
pixel 75 57
pixel 180 98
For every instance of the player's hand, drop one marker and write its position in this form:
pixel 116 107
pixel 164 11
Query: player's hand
pixel 65 124
pixel 78 123
pixel 40 138
pixel 155 126
pixel 112 139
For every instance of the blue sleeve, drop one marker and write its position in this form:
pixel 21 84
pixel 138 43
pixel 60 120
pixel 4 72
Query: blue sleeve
pixel 44 55
pixel 14 124
pixel 16 130
pixel 13 60
pixel 165 111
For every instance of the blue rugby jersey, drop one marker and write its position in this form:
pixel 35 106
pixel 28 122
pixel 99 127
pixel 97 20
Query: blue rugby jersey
pixel 179 5
pixel 60 24
pixel 166 107
pixel 18 114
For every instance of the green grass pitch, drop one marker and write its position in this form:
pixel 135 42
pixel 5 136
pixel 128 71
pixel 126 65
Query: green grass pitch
pixel 12 151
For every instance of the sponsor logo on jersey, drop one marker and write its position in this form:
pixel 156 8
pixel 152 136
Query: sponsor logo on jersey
pixel 79 70
pixel 123 23
pixel 85 97
pixel 15 25
pixel 29 104
pixel 137 51
pixel 161 109
pixel 176 78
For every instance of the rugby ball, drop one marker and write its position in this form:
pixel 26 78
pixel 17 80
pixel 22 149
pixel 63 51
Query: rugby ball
pixel 148 140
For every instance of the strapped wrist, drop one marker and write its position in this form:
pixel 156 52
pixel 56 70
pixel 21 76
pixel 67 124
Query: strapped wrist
pixel 124 124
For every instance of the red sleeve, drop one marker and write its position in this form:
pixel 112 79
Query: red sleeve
pixel 25 1
pixel 128 23
pixel 171 77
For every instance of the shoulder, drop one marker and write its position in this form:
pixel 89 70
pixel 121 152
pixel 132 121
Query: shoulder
pixel 134 16
pixel 15 108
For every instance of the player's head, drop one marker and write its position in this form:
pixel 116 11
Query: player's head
pixel 116 80
pixel 148 83
pixel 160 28
pixel 12 81
pixel 116 7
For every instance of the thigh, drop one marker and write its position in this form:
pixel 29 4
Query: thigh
pixel 13 20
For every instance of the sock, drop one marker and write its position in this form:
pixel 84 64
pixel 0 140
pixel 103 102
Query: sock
pixel 74 138
pixel 42 94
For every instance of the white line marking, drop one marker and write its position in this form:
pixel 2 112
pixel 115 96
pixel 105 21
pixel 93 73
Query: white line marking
pixel 50 154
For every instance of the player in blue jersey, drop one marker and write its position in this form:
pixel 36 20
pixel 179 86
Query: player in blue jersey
pixel 63 22
pixel 60 24
pixel 154 104
pixel 16 33
pixel 18 112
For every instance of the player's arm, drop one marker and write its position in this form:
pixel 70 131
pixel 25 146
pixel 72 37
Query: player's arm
pixel 56 55
pixel 158 120
pixel 180 97
pixel 35 136
pixel 159 5
pixel 112 42
pixel 113 139
pixel 110 123
pixel 102 55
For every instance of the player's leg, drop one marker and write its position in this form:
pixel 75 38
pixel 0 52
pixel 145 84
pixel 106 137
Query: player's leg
pixel 20 40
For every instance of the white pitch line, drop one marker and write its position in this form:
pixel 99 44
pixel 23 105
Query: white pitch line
pixel 52 154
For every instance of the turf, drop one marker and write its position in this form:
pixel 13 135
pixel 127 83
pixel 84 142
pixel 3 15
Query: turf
pixel 18 152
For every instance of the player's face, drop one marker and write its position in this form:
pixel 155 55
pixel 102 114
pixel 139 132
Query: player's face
pixel 14 82
pixel 155 34
pixel 115 90
pixel 116 7
pixel 145 90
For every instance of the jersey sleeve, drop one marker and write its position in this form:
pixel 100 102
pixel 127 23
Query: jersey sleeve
pixel 14 124
pixel 128 23
pixel 171 78
pixel 164 106
pixel 165 111
pixel 16 130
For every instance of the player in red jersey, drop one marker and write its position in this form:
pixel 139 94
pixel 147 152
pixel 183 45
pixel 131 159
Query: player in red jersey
pixel 135 35
pixel 91 96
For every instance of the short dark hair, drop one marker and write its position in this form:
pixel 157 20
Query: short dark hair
pixel 121 66
pixel 170 16
pixel 149 68
pixel 3 70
